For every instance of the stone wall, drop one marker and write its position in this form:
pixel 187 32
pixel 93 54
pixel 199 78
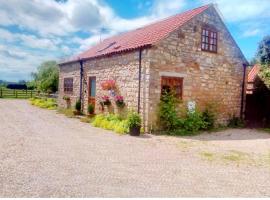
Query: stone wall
pixel 69 71
pixel 208 77
pixel 124 69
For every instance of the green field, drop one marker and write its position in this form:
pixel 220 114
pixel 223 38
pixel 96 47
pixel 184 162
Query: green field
pixel 18 94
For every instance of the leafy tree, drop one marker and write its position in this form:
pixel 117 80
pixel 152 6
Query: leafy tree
pixel 264 74
pixel 263 52
pixel 263 57
pixel 46 77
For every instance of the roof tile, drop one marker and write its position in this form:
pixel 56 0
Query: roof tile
pixel 140 37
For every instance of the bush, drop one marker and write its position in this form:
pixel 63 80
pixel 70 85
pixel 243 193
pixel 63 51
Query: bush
pixel 78 105
pixel 209 116
pixel 111 122
pixel 90 109
pixel 236 122
pixel 169 119
pixel 133 119
pixel 194 122
pixel 46 103
pixel 183 123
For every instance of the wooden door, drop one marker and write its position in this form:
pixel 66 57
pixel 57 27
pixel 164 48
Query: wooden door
pixel 92 91
pixel 172 84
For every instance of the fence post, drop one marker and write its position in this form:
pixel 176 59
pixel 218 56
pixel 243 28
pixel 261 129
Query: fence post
pixel 1 92
pixel 16 92
pixel 31 93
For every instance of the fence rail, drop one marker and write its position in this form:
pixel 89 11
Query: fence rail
pixel 23 94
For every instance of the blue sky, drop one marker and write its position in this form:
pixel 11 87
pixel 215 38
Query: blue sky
pixel 33 31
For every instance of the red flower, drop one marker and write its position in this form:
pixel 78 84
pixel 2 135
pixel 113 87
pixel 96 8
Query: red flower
pixel 105 98
pixel 119 98
pixel 108 85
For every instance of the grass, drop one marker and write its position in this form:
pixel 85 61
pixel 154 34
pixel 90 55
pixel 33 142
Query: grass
pixel 67 112
pixel 236 156
pixel 46 103
pixel 231 156
pixel 185 145
pixel 208 155
pixel 265 130
pixel 87 119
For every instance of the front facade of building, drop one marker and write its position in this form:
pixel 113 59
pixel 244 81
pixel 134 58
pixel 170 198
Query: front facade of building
pixel 197 57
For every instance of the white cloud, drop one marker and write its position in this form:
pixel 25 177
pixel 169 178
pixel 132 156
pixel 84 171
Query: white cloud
pixel 49 28
pixel 239 10
pixel 252 32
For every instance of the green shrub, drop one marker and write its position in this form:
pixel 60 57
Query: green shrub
pixel 183 123
pixel 236 122
pixel 194 122
pixel 111 122
pixel 78 105
pixel 209 116
pixel 90 109
pixel 133 119
pixel 46 103
pixel 168 116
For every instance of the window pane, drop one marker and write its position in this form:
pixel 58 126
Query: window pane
pixel 93 87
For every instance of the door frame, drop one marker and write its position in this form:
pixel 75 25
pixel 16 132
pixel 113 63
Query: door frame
pixel 91 99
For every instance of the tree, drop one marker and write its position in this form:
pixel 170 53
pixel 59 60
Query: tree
pixel 263 56
pixel 263 52
pixel 46 77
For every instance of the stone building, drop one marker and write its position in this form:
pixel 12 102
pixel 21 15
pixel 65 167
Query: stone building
pixel 192 52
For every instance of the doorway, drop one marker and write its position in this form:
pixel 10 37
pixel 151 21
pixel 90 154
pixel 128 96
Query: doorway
pixel 92 91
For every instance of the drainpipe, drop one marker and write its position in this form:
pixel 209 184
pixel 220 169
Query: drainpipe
pixel 140 70
pixel 81 81
pixel 243 91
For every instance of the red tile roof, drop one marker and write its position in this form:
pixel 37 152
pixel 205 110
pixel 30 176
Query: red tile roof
pixel 141 37
pixel 253 73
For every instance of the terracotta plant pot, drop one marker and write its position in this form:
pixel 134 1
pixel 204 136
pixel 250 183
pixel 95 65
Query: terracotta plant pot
pixel 135 131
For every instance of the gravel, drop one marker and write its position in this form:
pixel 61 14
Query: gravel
pixel 44 154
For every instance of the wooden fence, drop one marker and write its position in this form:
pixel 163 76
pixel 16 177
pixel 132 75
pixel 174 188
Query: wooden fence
pixel 24 94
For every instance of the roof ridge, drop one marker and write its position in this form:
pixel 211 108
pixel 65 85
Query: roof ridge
pixel 161 20
pixel 141 37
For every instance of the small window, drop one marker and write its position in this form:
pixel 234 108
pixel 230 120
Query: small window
pixel 68 85
pixel 209 40
pixel 172 84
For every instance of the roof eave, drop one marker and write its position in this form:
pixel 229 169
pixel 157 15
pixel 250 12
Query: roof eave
pixel 104 55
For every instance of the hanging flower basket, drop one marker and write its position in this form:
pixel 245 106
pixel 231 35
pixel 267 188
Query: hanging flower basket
pixel 119 101
pixel 106 100
pixel 108 85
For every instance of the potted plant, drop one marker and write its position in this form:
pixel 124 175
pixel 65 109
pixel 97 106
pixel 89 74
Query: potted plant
pixel 134 123
pixel 106 100
pixel 119 101
pixel 91 109
pixel 78 106
pixel 68 101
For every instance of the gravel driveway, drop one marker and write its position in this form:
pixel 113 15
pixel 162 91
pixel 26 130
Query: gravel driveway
pixel 44 154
